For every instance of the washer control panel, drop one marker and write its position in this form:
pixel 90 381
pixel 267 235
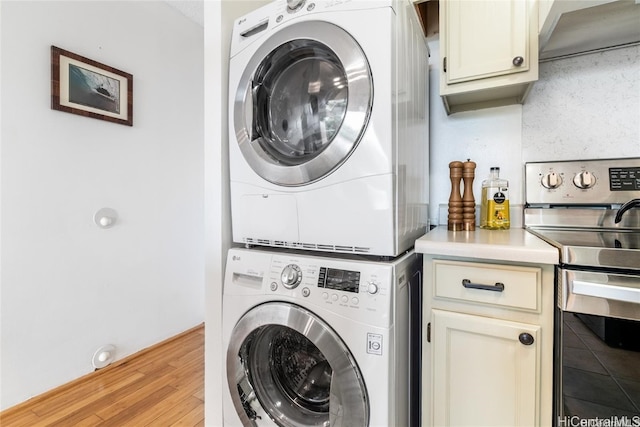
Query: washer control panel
pixel 582 182
pixel 334 284
pixel 353 288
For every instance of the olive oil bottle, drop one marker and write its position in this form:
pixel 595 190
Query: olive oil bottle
pixel 494 207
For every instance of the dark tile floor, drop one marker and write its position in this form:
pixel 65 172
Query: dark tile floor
pixel 599 381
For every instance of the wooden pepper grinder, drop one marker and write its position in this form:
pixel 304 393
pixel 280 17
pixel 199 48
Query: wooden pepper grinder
pixel 454 220
pixel 468 201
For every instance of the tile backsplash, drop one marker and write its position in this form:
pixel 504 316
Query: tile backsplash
pixel 581 107
pixel 585 107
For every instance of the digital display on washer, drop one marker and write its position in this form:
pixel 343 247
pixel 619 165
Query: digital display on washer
pixel 624 179
pixel 340 280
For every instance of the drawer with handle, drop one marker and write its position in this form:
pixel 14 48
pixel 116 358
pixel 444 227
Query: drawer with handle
pixel 497 284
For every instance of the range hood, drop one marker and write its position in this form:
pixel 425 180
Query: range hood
pixel 573 27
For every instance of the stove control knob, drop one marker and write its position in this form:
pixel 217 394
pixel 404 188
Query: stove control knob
pixel 551 180
pixel 291 276
pixel 584 180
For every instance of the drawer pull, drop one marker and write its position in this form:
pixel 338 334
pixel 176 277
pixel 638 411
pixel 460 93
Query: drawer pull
pixel 498 287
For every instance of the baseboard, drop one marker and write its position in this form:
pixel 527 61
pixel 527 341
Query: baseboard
pixel 92 375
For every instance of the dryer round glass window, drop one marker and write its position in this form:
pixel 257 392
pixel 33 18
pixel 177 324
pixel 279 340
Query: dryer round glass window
pixel 286 367
pixel 303 103
pixel 304 88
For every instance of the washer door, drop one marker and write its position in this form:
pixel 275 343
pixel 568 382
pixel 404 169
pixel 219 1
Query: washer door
pixel 286 367
pixel 303 103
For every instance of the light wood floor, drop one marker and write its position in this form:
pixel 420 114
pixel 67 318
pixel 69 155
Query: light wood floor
pixel 162 386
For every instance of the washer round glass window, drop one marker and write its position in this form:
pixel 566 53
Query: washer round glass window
pixel 287 368
pixel 303 103
pixel 291 376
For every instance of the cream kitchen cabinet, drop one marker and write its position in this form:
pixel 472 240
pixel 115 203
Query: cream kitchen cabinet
pixel 488 52
pixel 488 342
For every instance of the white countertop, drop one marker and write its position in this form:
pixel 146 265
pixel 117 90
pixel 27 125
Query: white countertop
pixel 515 244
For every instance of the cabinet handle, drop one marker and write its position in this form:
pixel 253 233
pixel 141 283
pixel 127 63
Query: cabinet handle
pixel 526 338
pixel 518 61
pixel 498 287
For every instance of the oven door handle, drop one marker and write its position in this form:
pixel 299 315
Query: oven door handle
pixel 498 287
pixel 601 290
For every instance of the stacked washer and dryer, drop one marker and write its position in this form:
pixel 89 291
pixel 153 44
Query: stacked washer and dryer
pixel 328 149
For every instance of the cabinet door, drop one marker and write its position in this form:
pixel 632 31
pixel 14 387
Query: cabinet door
pixel 482 373
pixel 482 38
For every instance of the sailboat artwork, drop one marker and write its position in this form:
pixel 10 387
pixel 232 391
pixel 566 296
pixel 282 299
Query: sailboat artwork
pixel 102 91
pixel 89 88
pixel 93 89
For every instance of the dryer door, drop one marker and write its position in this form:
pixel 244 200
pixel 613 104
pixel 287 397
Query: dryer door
pixel 303 103
pixel 286 367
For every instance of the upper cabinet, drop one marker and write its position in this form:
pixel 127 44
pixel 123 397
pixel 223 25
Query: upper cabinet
pixel 489 49
pixel 569 27
pixel 488 52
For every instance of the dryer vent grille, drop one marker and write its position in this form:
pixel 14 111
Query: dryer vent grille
pixel 307 246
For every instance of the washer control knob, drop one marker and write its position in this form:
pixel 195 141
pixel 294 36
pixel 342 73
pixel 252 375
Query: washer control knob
pixel 294 5
pixel 291 276
pixel 551 180
pixel 372 288
pixel 584 180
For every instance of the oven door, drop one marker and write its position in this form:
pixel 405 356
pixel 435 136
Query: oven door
pixel 597 347
pixel 609 294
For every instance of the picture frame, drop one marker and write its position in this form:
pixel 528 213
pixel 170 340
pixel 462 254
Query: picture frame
pixel 89 88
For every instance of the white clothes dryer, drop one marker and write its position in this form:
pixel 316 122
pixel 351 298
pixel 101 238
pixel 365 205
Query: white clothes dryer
pixel 328 126
pixel 319 341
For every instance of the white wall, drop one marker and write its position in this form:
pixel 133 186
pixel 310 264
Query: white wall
pixel 68 286
pixel 489 137
pixel 580 108
pixel 219 19
pixel 216 209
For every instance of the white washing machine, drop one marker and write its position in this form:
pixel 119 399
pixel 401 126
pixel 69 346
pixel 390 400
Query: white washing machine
pixel 319 341
pixel 328 126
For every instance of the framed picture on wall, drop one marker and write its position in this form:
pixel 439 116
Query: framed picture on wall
pixel 82 86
